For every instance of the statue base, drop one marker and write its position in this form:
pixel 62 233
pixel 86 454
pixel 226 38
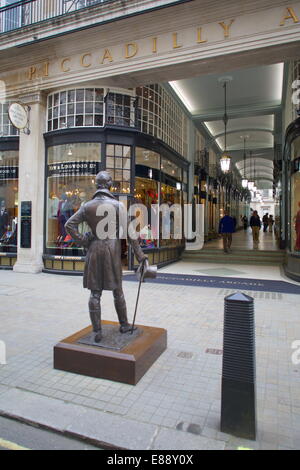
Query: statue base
pixel 121 357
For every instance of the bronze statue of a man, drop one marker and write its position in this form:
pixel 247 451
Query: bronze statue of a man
pixel 103 268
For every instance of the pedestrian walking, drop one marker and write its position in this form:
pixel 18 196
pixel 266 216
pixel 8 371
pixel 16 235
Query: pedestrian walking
pixel 255 225
pixel 226 229
pixel 265 221
pixel 245 222
pixel 271 223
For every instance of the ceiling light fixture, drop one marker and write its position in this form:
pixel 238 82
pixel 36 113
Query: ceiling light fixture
pixel 251 182
pixel 225 159
pixel 245 180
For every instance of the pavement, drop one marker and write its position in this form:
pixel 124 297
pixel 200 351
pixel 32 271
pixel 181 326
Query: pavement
pixel 176 405
pixel 33 438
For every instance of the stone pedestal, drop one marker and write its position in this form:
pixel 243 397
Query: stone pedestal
pixel 127 364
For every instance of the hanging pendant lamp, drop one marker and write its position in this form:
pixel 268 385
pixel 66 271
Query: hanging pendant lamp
pixel 244 180
pixel 225 160
pixel 254 176
pixel 251 182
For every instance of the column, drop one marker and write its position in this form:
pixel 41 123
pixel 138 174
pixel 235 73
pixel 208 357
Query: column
pixel 31 183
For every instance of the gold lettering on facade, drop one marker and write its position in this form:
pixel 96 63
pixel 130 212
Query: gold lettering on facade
pixel 83 61
pixel 63 66
pixel 32 72
pixel 199 36
pixel 226 28
pixel 175 44
pixel 179 40
pixel 290 16
pixel 107 56
pixel 131 50
pixel 154 45
pixel 45 72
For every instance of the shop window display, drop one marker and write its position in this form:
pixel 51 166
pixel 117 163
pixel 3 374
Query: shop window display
pixel 147 192
pixel 171 169
pixel 295 197
pixel 71 171
pixel 170 193
pixel 8 200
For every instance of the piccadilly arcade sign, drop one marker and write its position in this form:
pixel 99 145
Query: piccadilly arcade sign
pixel 19 116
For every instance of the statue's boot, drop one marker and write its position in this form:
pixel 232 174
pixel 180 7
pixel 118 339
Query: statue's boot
pixel 95 314
pixel 121 309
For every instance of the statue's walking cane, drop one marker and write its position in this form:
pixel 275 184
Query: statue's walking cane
pixel 144 271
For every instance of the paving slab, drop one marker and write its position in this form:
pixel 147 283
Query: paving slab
pixel 168 439
pixel 182 386
pixel 105 429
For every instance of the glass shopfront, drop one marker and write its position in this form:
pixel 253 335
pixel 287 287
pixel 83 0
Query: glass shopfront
pixel 146 192
pixel 9 161
pixel 170 193
pixel 291 202
pixel 93 129
pixel 71 171
pixel 118 165
pixel 159 182
pixel 295 196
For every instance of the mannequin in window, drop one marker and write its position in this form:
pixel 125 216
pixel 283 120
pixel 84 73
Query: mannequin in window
pixel 3 218
pixel 61 215
pixel 53 206
pixel 5 239
pixel 297 228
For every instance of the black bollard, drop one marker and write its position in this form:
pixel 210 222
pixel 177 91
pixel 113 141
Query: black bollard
pixel 238 403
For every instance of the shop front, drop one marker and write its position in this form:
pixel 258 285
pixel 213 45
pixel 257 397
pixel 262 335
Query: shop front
pixel 9 175
pixel 88 133
pixel 292 174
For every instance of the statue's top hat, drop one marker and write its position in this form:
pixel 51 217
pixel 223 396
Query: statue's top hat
pixel 145 271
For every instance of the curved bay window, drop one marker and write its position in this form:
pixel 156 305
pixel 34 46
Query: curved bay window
pixel 82 107
pixel 71 171
pixel 120 109
pixel 159 115
pixel 9 161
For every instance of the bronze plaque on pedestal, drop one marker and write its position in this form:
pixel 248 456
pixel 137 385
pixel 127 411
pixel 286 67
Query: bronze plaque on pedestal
pixel 125 358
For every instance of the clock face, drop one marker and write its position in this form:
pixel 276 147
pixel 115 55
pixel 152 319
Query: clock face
pixel 18 115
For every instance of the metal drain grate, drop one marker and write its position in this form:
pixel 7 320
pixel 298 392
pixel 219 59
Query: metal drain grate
pixel 216 352
pixel 185 355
